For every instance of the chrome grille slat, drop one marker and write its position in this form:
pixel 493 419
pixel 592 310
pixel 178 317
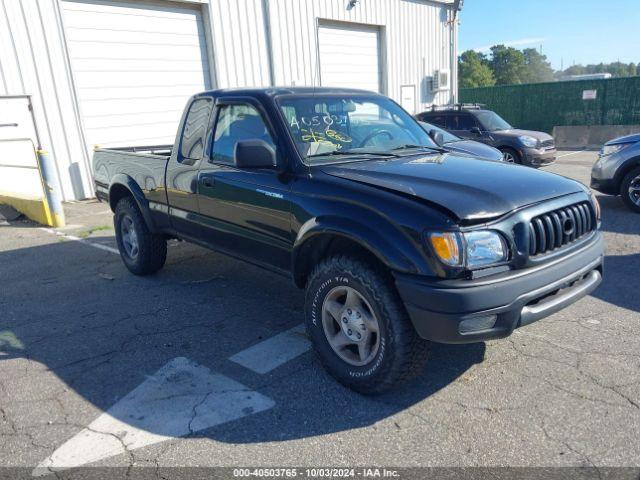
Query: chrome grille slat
pixel 563 226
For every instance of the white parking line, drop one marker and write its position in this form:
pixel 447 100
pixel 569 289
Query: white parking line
pixel 82 240
pixel 273 352
pixel 572 153
pixel 179 399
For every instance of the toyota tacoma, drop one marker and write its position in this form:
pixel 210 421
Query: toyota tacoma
pixel 397 242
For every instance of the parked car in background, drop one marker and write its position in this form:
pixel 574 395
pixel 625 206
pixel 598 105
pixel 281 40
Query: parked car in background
pixel 455 144
pixel 343 192
pixel 617 171
pixel 473 122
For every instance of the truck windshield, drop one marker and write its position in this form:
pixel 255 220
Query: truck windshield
pixel 491 121
pixel 332 128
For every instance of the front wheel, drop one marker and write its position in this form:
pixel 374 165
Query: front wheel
pixel 359 327
pixel 141 251
pixel 630 190
pixel 509 155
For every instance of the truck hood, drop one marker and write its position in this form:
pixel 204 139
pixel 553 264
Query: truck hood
pixel 472 189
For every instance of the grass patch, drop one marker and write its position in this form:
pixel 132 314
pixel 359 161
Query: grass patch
pixel 99 228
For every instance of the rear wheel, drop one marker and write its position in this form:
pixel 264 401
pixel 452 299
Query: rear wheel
pixel 141 251
pixel 630 190
pixel 509 155
pixel 359 327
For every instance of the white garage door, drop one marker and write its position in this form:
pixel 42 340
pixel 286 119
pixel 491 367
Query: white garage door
pixel 350 56
pixel 135 64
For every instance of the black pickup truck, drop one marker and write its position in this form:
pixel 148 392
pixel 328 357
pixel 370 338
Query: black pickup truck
pixel 396 241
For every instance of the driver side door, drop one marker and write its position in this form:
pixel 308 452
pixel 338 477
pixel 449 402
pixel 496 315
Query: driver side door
pixel 244 212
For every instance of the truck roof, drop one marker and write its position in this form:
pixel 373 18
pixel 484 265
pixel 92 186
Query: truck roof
pixel 276 91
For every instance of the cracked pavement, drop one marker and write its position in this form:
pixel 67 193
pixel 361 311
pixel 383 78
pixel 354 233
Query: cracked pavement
pixel 78 333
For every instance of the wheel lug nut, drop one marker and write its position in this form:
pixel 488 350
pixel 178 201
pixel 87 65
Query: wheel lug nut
pixel 349 332
pixel 358 314
pixel 349 312
pixel 359 336
pixel 344 319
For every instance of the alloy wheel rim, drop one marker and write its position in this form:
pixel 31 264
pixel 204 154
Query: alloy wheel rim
pixel 129 237
pixel 634 190
pixel 350 326
pixel 508 157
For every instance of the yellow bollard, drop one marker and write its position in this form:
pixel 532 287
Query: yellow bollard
pixel 51 186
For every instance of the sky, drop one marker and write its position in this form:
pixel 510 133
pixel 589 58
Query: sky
pixel 569 31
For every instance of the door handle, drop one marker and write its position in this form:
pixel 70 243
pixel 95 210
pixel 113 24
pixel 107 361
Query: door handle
pixel 207 181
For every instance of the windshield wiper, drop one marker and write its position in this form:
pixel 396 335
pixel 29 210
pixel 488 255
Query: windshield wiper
pixel 410 146
pixel 351 153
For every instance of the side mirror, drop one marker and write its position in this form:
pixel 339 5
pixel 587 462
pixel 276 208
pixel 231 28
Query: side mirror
pixel 437 137
pixel 254 154
pixel 476 130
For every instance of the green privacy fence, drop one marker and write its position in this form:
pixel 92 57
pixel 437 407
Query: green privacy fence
pixel 541 106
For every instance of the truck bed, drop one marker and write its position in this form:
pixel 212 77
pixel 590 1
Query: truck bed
pixel 145 165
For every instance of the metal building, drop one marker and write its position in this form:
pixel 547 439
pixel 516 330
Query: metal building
pixel 118 72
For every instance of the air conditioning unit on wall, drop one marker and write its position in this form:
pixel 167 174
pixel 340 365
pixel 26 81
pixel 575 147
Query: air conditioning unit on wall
pixel 441 80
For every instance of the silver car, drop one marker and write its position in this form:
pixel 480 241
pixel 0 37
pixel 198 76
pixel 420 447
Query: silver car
pixel 617 171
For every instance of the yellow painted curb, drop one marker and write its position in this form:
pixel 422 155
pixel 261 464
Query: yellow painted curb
pixel 34 208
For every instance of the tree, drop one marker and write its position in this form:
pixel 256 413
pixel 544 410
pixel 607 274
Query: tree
pixel 616 69
pixel 508 65
pixel 474 70
pixel 537 69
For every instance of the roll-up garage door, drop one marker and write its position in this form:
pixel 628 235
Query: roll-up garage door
pixel 350 56
pixel 135 64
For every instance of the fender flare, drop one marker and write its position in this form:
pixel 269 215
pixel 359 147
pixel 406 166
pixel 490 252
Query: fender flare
pixel 625 168
pixel 123 180
pixel 387 249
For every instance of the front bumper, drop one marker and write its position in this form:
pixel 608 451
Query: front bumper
pixel 539 157
pixel 603 174
pixel 607 186
pixel 516 298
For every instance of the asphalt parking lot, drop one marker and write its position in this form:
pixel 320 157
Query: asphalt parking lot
pixel 204 364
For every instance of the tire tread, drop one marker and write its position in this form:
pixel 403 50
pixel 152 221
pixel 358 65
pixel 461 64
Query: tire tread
pixel 153 247
pixel 409 350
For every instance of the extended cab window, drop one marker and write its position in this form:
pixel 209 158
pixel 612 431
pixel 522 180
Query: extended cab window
pixel 236 123
pixel 195 129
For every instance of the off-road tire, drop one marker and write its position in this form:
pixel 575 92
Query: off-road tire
pixel 624 190
pixel 152 248
pixel 401 353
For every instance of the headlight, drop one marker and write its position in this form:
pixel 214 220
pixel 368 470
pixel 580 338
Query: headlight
pixel 472 249
pixel 611 149
pixel 528 141
pixel 484 247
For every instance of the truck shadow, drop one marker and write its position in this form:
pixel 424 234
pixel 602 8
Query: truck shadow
pixel 89 328
pixel 620 274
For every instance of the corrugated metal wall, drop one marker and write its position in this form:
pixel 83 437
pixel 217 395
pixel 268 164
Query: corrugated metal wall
pixel 34 60
pixel 415 33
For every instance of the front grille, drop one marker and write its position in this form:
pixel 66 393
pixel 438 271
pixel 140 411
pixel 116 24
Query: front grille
pixel 548 144
pixel 560 227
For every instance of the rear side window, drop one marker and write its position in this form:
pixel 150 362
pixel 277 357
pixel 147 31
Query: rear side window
pixel 236 123
pixel 194 134
pixel 461 122
pixel 439 120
